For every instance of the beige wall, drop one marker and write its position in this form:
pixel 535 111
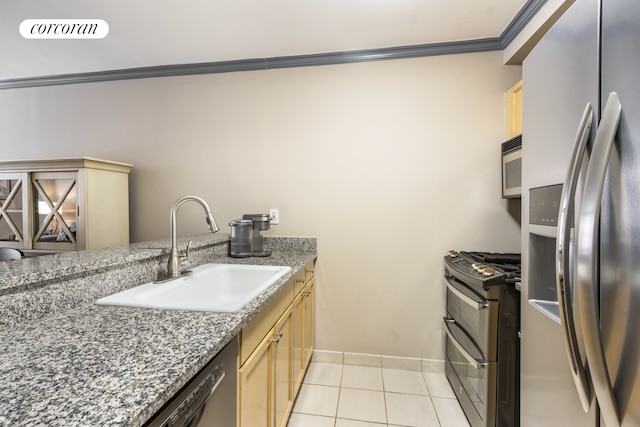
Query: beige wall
pixel 389 164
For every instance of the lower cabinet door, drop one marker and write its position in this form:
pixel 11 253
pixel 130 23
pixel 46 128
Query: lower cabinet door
pixel 255 387
pixel 308 295
pixel 298 343
pixel 272 374
pixel 283 385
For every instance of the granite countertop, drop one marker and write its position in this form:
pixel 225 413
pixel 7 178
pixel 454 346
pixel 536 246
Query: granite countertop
pixel 68 362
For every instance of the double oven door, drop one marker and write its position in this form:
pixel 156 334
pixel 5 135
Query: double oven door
pixel 471 327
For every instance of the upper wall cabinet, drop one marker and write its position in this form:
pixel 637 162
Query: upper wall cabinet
pixel 514 110
pixel 65 204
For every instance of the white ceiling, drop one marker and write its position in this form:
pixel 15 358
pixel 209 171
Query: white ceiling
pixel 162 32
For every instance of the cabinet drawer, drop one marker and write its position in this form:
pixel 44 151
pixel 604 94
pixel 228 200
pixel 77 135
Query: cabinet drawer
pixel 299 281
pixel 255 331
pixel 309 271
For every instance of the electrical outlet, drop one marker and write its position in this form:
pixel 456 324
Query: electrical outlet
pixel 275 216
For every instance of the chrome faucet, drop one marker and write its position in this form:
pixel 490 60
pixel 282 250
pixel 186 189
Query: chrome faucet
pixel 175 259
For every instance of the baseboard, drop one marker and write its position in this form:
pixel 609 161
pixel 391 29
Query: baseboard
pixel 379 361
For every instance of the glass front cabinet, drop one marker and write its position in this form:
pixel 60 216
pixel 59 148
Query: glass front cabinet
pixel 67 204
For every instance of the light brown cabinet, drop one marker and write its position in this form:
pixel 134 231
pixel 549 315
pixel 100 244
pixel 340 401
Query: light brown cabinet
pixel 254 387
pixel 298 364
pixel 308 322
pixel 514 110
pixel 64 204
pixel 281 348
pixel 265 385
pixel 275 350
pixel 303 312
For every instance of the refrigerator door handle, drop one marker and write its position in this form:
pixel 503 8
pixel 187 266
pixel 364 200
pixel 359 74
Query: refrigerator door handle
pixel 587 260
pixel 563 262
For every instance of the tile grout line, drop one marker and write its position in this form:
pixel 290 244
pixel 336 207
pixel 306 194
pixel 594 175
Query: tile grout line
pixel 335 420
pixel 433 405
pixel 384 391
pixel 384 396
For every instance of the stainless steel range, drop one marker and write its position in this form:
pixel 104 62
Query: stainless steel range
pixel 482 324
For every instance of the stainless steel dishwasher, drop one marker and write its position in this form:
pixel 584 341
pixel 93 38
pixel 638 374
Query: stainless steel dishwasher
pixel 207 400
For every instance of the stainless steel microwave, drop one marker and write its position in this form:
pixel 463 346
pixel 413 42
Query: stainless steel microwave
pixel 512 168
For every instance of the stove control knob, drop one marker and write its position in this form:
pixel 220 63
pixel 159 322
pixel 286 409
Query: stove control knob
pixel 453 254
pixel 477 266
pixel 488 272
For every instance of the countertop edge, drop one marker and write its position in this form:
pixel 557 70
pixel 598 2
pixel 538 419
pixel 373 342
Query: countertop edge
pixel 55 308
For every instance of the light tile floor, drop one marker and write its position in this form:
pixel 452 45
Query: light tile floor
pixel 334 395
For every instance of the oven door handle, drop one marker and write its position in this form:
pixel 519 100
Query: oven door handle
pixel 476 363
pixel 478 305
pixel 563 261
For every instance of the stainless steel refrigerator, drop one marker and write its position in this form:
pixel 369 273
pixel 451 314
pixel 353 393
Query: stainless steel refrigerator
pixel 580 330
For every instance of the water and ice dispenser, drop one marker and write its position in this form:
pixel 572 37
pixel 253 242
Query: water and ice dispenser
pixel 544 203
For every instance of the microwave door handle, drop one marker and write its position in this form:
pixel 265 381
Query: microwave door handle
pixel 563 261
pixel 587 268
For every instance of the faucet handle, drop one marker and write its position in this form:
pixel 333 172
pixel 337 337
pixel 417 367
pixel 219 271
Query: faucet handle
pixel 185 257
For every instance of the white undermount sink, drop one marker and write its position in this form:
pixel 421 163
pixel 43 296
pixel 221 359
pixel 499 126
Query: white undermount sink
pixel 210 287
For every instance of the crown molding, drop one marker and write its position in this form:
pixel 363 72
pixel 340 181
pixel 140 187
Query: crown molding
pixel 520 21
pixel 530 8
